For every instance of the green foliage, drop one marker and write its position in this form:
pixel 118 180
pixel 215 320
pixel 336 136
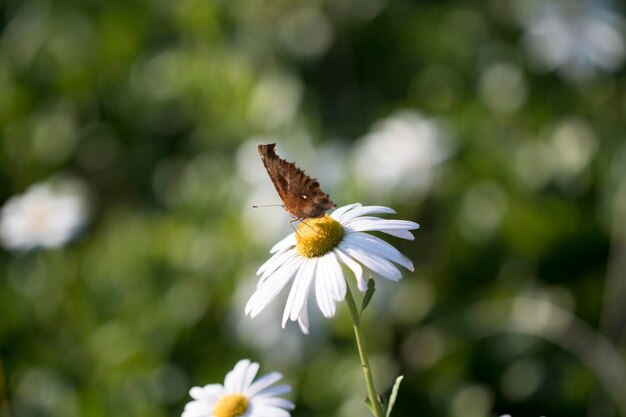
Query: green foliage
pixel 371 289
pixel 514 167
pixel 394 395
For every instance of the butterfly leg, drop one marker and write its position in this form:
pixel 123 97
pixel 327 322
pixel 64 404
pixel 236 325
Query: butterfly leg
pixel 295 219
pixel 309 226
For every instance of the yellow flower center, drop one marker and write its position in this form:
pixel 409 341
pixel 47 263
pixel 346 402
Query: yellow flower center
pixel 231 405
pixel 318 236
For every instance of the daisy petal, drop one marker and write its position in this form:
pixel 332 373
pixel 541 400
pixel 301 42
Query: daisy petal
pixel 267 411
pixel 303 319
pixel 207 393
pixel 249 376
pixel 273 402
pixel 286 242
pixel 275 262
pixel 234 379
pixel 366 224
pixel 273 391
pixel 341 210
pixel 374 262
pixel 323 283
pixel 299 290
pixel 198 409
pixel 361 211
pixel 354 266
pixel 258 386
pixel 338 281
pixel 270 288
pixel 372 244
pixel 269 262
pixel 402 234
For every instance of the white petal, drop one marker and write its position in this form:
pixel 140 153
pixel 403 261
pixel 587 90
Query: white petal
pixel 267 411
pixel 273 402
pixel 212 392
pixel 198 409
pixel 323 288
pixel 275 262
pixel 299 290
pixel 303 319
pixel 258 386
pixel 367 224
pixel 234 379
pixel 361 211
pixel 266 293
pixel 303 288
pixel 330 284
pixel 402 234
pixel 374 245
pixel 338 279
pixel 354 266
pixel 342 210
pixel 374 262
pixel 249 376
pixel 286 242
pixel 274 391
pixel 269 262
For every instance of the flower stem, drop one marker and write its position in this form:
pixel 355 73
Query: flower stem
pixel 375 405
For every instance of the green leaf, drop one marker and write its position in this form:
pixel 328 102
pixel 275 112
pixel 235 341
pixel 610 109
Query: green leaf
pixel 371 288
pixel 394 394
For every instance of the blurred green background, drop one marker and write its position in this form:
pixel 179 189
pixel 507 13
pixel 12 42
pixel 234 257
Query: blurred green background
pixel 499 126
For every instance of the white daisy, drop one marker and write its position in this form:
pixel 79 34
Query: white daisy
pixel 577 38
pixel 313 256
pixel 240 396
pixel 415 146
pixel 44 216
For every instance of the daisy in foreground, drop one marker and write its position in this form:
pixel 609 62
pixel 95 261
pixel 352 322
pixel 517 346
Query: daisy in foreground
pixel 240 396
pixel 313 255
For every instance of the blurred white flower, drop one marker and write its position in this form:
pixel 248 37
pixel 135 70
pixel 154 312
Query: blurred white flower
pixel 483 208
pixel 275 100
pixel 503 87
pixel 576 38
pixel 241 395
pixel 521 379
pixel 314 253
pixel 40 388
pixel 44 216
pixel 573 144
pixel 563 153
pixel 306 33
pixel 471 400
pixel 400 154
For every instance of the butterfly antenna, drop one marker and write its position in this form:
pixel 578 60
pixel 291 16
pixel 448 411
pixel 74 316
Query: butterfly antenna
pixel 269 205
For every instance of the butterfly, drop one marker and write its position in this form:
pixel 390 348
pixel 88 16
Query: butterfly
pixel 302 195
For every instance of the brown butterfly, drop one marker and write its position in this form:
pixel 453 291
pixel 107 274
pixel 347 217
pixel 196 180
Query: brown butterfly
pixel 302 196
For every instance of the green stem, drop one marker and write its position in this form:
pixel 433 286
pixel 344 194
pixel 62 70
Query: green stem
pixel 375 407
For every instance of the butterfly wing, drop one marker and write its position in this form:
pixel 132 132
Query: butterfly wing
pixel 302 196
